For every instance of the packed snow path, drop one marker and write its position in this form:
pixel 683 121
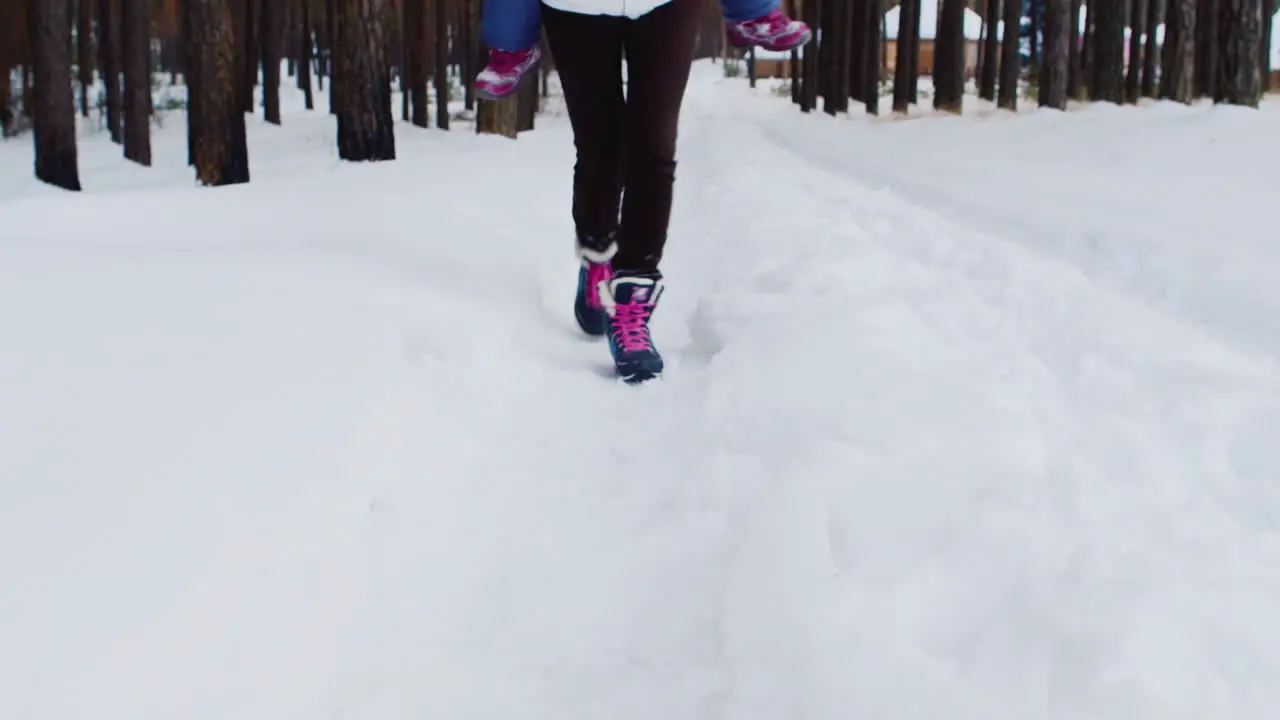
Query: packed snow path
pixel 330 446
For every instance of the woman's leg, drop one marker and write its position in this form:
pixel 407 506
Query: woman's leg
pixel 659 49
pixel 510 24
pixel 588 56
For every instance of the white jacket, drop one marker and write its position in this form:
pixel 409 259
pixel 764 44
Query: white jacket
pixel 622 8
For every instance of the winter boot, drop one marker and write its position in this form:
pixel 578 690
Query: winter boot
pixel 505 71
pixel 594 273
pixel 630 303
pixel 774 31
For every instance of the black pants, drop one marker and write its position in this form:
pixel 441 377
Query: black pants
pixel 626 148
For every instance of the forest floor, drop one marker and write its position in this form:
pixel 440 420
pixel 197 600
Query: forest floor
pixel 968 418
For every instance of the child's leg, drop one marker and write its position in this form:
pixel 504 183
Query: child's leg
pixel 736 11
pixel 511 24
pixel 761 23
pixel 511 29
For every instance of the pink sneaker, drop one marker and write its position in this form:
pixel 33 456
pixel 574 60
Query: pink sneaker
pixel 506 69
pixel 774 31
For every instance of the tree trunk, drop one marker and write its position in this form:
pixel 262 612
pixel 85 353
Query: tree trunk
pixel 362 70
pixel 1108 66
pixel 1010 61
pixel 1056 55
pixel 84 53
pixel 272 35
pixel 949 60
pixel 1152 23
pixel 908 29
pixel 305 56
pixel 1264 44
pixel 217 119
pixel 135 26
pixel 53 108
pixel 872 52
pixel 1180 51
pixel 810 65
pixel 415 44
pixel 1075 87
pixel 109 49
pixel 248 47
pixel 1208 48
pixel 1133 78
pixel 990 64
pixel 1241 24
pixel 498 117
pixel 442 68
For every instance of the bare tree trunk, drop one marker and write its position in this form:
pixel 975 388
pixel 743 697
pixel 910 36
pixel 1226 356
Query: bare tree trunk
pixel 84 53
pixel 53 110
pixel 949 60
pixel 1264 44
pixel 1152 24
pixel 810 65
pixel 1010 61
pixel 272 35
pixel 1075 87
pixel 135 25
pixel 109 49
pixel 1208 51
pixel 305 56
pixel 1241 23
pixel 990 62
pixel 1056 56
pixel 1179 70
pixel 1108 67
pixel 221 153
pixel 442 67
pixel 908 29
pixel 365 121
pixel 415 42
pixel 873 50
pixel 1133 78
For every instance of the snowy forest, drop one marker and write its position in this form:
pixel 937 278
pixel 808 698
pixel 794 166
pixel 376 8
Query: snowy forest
pixel 230 56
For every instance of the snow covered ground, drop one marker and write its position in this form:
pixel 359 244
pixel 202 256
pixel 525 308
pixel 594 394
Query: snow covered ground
pixel 966 418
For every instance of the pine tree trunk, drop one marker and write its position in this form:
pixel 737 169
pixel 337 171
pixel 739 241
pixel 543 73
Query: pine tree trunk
pixel 873 52
pixel 1010 61
pixel 1152 23
pixel 949 61
pixel 1205 83
pixel 810 65
pixel 1075 88
pixel 84 52
pixel 1056 55
pixel 109 50
pixel 908 28
pixel 1133 78
pixel 1264 44
pixel 365 121
pixel 53 109
pixel 1179 69
pixel 1241 80
pixel 415 38
pixel 990 64
pixel 135 45
pixel 442 67
pixel 1108 67
pixel 305 56
pixel 6 112
pixel 217 119
pixel 272 36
